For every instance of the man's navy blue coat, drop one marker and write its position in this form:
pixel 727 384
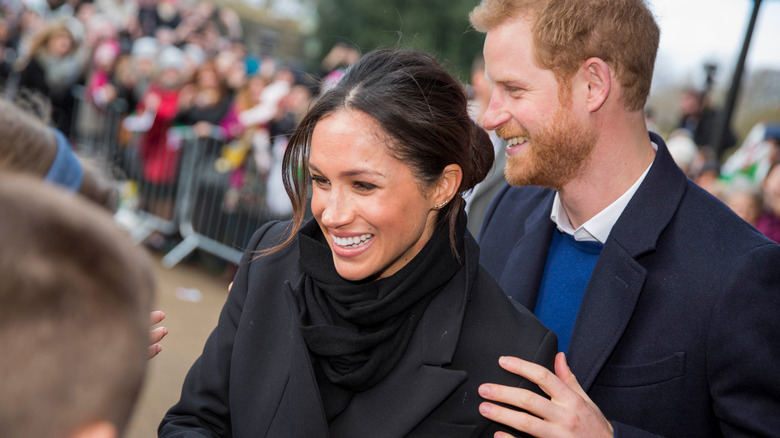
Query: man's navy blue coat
pixel 678 333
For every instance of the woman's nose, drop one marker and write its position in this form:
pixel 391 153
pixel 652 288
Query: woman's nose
pixel 336 210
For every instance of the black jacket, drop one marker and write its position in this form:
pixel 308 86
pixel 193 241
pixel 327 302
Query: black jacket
pixel 255 377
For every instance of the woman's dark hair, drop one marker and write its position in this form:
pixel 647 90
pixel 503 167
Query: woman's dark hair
pixel 420 106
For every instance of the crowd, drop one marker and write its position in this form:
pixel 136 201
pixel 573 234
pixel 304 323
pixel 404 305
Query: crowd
pixel 165 70
pixel 746 180
pixel 185 64
pixel 605 292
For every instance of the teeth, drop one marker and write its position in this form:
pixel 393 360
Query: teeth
pixel 516 140
pixel 353 242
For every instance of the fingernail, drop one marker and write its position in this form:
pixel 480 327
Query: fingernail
pixel 484 409
pixel 503 360
pixel 484 390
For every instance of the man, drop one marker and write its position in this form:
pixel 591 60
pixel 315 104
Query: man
pixel 665 303
pixel 74 313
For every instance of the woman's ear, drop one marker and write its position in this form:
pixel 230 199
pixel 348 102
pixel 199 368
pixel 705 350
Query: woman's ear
pixel 448 184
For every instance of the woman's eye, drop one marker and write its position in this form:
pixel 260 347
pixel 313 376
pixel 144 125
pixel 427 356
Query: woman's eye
pixel 364 186
pixel 319 181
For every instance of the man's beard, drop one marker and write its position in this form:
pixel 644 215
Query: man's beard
pixel 554 155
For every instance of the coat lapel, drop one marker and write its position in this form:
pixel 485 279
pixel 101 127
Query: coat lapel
pixel 524 268
pixel 618 277
pixel 303 403
pixel 605 311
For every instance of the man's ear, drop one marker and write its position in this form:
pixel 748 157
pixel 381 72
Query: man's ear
pixel 100 429
pixel 598 77
pixel 448 185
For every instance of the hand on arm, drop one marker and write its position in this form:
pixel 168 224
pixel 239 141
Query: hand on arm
pixel 568 413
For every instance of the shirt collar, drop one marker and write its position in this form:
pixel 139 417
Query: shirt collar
pixel 597 228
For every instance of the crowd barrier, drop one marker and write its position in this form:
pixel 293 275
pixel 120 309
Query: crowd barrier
pixel 218 206
pixel 182 184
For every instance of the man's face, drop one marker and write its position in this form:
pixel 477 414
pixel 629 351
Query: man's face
pixel 548 142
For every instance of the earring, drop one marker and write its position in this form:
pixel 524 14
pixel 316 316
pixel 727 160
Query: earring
pixel 439 206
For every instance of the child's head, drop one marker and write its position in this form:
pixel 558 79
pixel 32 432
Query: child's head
pixel 170 63
pixel 74 310
pixel 106 55
pixel 745 200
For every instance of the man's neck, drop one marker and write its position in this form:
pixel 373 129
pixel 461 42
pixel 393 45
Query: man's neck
pixel 616 163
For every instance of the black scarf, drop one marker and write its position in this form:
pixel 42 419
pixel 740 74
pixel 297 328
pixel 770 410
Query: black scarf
pixel 358 331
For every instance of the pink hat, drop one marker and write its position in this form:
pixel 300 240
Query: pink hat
pixel 106 51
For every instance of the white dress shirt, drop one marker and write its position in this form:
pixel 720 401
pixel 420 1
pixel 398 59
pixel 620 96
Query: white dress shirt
pixel 597 228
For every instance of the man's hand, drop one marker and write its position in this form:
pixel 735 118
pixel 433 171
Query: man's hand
pixel 157 334
pixel 568 413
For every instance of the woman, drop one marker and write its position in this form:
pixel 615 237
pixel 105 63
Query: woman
pixel 769 221
pixel 205 102
pixel 374 318
pixel 51 68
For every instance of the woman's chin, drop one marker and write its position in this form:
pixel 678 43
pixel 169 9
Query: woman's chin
pixel 352 271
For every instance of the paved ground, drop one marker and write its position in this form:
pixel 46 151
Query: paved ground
pixel 189 325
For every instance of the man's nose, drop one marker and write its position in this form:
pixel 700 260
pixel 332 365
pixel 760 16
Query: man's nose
pixel 496 114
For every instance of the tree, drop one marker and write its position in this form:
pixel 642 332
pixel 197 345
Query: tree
pixel 440 27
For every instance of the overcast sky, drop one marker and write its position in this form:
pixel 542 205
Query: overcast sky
pixel 697 31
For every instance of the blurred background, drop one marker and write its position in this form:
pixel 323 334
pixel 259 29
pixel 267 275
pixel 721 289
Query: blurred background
pixel 186 106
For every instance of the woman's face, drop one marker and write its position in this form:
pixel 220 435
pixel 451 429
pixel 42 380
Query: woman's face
pixel 59 44
pixel 368 204
pixel 207 78
pixel 771 189
pixel 256 85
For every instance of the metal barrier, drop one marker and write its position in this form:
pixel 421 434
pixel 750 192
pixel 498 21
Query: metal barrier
pixel 220 204
pixel 95 131
pixel 147 165
pixel 152 167
pixel 210 192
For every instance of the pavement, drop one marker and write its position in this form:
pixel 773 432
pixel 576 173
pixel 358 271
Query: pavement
pixel 191 294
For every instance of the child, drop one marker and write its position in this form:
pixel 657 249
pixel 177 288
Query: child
pixel 74 309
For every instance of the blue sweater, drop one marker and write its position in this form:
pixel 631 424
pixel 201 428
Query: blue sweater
pixel 566 274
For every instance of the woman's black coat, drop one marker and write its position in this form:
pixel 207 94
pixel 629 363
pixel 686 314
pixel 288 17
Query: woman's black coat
pixel 255 376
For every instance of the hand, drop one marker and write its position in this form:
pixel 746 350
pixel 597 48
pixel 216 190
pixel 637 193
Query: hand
pixel 109 92
pixel 568 413
pixel 202 128
pixel 157 334
pixel 152 101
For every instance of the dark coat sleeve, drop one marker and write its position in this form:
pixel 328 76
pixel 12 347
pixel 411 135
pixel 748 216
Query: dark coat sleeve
pixel 493 326
pixel 527 339
pixel 204 409
pixel 743 349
